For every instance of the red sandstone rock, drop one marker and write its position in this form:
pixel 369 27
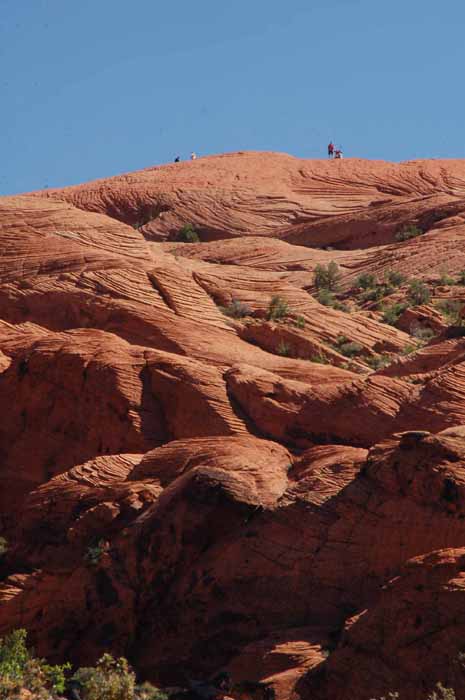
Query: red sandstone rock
pixel 187 488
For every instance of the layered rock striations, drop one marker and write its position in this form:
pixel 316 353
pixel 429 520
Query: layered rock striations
pixel 202 478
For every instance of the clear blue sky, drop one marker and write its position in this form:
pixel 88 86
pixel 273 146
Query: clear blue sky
pixel 92 88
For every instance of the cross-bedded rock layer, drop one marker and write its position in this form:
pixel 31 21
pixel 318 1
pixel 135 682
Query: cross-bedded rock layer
pixel 198 491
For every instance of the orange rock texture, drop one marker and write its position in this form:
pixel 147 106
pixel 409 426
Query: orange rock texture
pixel 208 460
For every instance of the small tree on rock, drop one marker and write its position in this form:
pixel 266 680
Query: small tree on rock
pixel 418 293
pixel 327 277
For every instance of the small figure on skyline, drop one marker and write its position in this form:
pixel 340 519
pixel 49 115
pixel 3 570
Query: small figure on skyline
pixel 330 149
pixel 338 153
pixel 177 159
pixel 193 156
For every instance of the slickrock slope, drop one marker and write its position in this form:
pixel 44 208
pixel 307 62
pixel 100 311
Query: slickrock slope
pixel 209 462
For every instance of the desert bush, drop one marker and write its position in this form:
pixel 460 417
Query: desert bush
pixel 395 278
pixel 347 347
pixel 320 359
pixel 461 277
pixel 422 332
pixel 146 691
pixel 450 309
pixel 19 670
pixel 441 693
pixel 446 280
pixel 187 234
pixel 278 308
pixel 3 546
pixel 377 293
pixel 110 679
pixel 366 280
pixel 283 349
pixel 378 361
pixel 350 349
pixel 325 297
pixel 299 322
pixel 392 313
pixel 95 552
pixel 408 349
pixel 408 232
pixel 327 277
pixel 340 306
pixel 418 293
pixel 236 309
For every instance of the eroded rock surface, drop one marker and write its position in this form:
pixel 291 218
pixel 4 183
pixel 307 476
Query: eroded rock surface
pixel 200 480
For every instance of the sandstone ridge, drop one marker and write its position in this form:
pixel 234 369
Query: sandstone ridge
pixel 197 479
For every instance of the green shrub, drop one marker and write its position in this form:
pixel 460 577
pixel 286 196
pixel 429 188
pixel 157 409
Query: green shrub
pixel 379 292
pixel 340 306
pixel 392 313
pixel 461 277
pixel 441 693
pixel 299 322
pixel 94 553
pixel 283 349
pixel 418 293
pixel 422 333
pixel 350 349
pixel 327 277
pixel 366 280
pixel 110 679
pixel 446 280
pixel 378 361
pixel 20 670
pixel 395 278
pixel 346 347
pixel 187 234
pixel 320 359
pixel 451 309
pixel 278 308
pixel 408 232
pixel 325 297
pixel 408 349
pixel 236 309
pixel 146 691
pixel 3 546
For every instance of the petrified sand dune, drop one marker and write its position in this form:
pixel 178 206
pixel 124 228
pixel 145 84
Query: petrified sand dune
pixel 197 482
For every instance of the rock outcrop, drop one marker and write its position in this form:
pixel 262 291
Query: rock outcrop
pixel 206 460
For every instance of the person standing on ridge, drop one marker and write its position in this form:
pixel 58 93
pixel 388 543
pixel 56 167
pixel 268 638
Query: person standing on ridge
pixel 330 149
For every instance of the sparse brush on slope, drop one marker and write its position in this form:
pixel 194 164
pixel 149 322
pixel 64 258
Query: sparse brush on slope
pixel 236 309
pixel 391 314
pixel 187 234
pixel 408 232
pixel 277 309
pixel 366 280
pixel 451 309
pixel 327 277
pixel 418 293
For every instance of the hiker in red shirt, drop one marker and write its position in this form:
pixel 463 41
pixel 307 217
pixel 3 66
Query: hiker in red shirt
pixel 330 149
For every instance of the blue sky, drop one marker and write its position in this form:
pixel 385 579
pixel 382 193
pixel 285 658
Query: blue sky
pixel 92 88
